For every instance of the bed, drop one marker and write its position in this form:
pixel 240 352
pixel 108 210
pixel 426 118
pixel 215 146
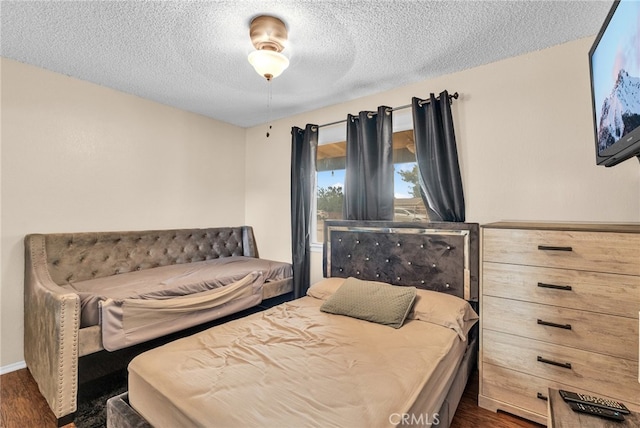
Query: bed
pixel 94 291
pixel 387 338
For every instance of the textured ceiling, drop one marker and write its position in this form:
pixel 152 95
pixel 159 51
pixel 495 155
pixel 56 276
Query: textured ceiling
pixel 193 55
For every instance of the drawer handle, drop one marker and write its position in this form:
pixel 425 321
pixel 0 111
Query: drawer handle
pixel 542 397
pixel 552 248
pixel 555 287
pixel 554 363
pixel 552 324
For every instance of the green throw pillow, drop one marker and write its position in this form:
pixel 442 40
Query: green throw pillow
pixel 371 301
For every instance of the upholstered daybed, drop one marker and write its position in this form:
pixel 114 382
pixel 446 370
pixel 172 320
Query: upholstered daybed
pixel 86 292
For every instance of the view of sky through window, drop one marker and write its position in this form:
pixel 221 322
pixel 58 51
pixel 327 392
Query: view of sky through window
pixel 402 189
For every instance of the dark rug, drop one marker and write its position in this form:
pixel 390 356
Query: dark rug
pixel 93 396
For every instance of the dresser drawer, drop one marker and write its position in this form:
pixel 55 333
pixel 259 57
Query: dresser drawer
pixel 523 390
pixel 515 388
pixel 610 376
pixel 589 251
pixel 590 291
pixel 605 334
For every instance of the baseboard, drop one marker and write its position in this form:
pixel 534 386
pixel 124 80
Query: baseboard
pixel 12 367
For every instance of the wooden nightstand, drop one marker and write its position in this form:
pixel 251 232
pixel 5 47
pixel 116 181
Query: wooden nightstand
pixel 560 415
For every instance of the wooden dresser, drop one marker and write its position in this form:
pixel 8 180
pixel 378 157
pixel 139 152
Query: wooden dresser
pixel 559 309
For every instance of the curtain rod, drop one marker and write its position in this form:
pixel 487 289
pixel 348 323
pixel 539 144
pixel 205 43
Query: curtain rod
pixel 452 96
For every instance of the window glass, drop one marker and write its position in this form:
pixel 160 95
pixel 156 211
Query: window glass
pixel 330 165
pixel 331 160
pixel 407 202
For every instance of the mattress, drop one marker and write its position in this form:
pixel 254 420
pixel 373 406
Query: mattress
pixel 167 282
pixel 293 365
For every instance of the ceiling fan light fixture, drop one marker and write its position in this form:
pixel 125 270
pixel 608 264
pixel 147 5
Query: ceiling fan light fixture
pixel 269 36
pixel 269 64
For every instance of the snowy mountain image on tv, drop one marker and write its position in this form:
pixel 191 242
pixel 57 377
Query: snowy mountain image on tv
pixel 620 112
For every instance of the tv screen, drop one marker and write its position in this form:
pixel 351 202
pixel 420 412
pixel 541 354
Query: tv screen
pixel 614 61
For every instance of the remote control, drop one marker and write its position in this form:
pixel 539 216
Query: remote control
pixel 596 411
pixel 604 403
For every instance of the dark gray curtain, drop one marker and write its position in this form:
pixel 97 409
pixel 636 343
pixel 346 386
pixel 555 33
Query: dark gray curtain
pixel 368 187
pixel 437 158
pixel 304 144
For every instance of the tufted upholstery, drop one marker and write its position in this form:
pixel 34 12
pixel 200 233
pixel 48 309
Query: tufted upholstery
pixel 53 338
pixel 435 256
pixel 82 256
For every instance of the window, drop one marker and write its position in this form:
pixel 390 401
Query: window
pixel 330 175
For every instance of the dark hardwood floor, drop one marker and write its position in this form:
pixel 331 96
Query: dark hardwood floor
pixel 22 405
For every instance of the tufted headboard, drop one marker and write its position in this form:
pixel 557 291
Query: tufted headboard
pixel 88 255
pixel 435 256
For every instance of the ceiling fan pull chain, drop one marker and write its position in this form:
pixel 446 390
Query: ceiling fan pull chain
pixel 269 96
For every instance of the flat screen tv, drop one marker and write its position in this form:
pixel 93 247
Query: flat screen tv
pixel 614 63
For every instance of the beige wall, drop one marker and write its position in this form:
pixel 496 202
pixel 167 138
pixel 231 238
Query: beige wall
pixel 525 141
pixel 77 157
pixel 81 157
